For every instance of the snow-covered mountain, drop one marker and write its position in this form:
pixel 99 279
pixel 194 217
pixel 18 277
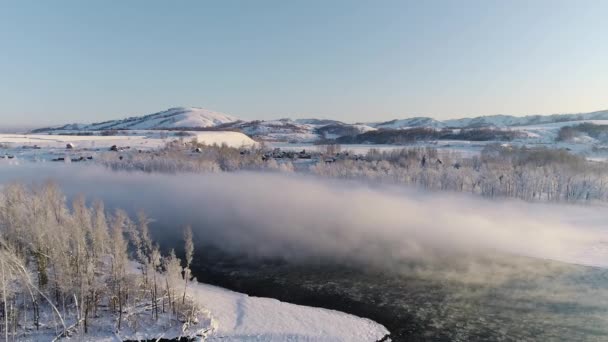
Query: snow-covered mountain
pixel 173 118
pixel 499 121
pixel 301 130
pixel 313 130
pixel 179 117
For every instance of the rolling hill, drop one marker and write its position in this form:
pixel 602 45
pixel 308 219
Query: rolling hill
pixel 316 130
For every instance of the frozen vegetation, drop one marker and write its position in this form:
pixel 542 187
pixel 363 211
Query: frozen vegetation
pixel 76 272
pixel 531 174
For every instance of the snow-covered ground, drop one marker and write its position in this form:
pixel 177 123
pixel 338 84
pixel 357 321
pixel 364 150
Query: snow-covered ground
pixel 243 318
pixel 41 147
pixel 237 317
pixel 232 317
pixel 301 132
pixel 138 139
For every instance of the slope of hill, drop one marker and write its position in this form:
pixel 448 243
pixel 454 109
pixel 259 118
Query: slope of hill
pixel 287 130
pixel 410 123
pixel 179 117
pixel 172 118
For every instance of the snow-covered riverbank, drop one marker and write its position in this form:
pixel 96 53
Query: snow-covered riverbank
pixel 233 316
pixel 243 318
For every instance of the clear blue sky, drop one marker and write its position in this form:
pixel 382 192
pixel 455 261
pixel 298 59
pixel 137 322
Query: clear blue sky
pixel 83 61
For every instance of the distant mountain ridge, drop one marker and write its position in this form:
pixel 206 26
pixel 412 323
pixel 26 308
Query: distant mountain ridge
pixel 490 121
pixel 308 130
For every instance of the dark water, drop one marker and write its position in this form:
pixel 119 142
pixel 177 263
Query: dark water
pixel 498 298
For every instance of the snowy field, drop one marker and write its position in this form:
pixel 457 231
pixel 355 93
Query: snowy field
pixel 137 139
pixel 43 147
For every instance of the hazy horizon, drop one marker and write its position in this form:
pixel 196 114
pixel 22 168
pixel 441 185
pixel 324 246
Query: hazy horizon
pixel 353 61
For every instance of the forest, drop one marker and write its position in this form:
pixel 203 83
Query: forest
pixel 499 171
pixel 70 270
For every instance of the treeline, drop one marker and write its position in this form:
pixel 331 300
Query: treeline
pixel 498 171
pixel 66 271
pixel 403 136
pixel 523 173
pixel 180 156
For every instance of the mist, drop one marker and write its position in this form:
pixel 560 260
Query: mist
pixel 298 217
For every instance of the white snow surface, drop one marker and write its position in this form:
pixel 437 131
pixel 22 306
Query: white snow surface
pixel 235 317
pixel 133 138
pixel 31 146
pixel 233 139
pixel 240 317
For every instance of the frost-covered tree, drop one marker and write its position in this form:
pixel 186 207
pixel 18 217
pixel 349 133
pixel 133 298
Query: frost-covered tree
pixel 119 261
pixel 62 267
pixel 189 253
